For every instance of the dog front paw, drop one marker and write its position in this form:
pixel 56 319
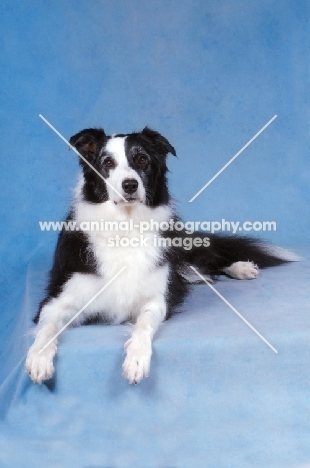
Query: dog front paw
pixel 138 359
pixel 40 366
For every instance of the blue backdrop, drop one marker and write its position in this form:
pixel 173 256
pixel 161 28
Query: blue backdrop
pixel 207 75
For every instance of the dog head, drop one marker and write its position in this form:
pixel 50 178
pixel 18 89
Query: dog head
pixel 126 169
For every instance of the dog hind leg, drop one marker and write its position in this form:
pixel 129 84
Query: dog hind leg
pixel 242 270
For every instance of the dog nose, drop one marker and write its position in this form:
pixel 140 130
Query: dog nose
pixel 130 185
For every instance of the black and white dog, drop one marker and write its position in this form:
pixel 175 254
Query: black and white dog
pixel 157 274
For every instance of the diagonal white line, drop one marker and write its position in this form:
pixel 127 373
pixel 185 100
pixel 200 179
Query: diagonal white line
pixel 83 308
pixel 232 159
pixel 82 157
pixel 234 310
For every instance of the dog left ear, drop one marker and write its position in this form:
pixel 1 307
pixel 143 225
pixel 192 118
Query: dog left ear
pixel 158 142
pixel 89 141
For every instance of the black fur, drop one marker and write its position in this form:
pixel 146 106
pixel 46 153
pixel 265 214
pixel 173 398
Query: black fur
pixel 225 250
pixel 73 252
pixel 72 255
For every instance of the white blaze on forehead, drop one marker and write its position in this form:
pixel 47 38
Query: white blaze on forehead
pixel 116 148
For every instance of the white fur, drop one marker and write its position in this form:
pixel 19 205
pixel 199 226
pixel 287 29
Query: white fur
pixel 116 149
pixel 126 299
pixel 137 294
pixel 40 366
pixel 242 270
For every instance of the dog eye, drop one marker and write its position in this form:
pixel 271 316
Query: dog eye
pixel 109 162
pixel 142 159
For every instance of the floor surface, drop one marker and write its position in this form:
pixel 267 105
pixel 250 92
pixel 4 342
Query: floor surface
pixel 217 395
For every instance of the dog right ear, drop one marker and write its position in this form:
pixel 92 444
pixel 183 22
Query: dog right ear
pixel 89 141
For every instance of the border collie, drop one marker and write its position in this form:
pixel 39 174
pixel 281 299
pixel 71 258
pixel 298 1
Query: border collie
pixel 157 276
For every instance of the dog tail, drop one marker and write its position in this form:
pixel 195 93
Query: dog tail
pixel 223 251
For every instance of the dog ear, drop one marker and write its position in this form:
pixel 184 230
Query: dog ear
pixel 159 143
pixel 89 141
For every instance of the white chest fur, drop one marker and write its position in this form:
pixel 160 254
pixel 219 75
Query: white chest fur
pixel 142 280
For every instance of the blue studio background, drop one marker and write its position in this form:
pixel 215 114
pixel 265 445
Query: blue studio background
pixel 207 75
